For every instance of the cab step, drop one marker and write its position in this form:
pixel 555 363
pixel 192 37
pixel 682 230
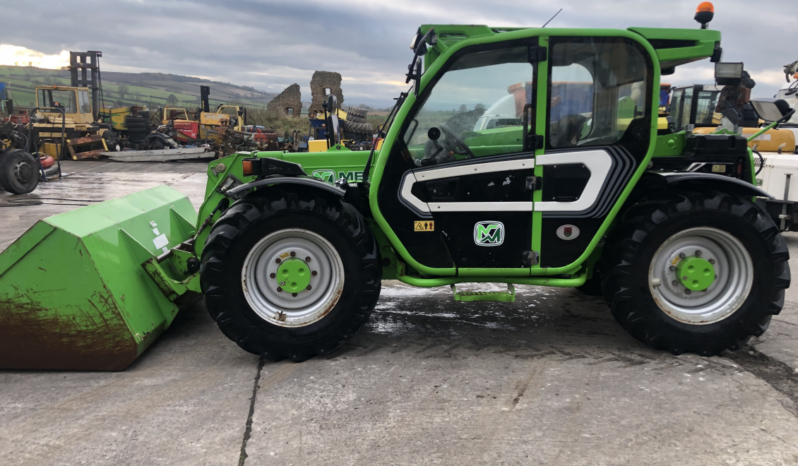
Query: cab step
pixel 497 296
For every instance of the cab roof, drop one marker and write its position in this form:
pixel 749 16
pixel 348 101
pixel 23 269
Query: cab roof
pixel 674 47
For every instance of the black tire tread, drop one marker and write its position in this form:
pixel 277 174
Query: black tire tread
pixel 7 159
pixel 246 215
pixel 640 220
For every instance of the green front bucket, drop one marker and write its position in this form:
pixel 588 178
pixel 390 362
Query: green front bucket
pixel 77 290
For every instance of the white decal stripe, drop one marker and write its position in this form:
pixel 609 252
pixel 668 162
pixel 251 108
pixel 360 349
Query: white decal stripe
pixel 598 162
pixel 480 206
pixel 407 195
pixel 463 170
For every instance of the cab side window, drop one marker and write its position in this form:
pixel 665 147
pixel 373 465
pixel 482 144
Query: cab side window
pixel 474 110
pixel 599 93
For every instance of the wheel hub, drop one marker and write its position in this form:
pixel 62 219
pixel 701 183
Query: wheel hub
pixel 293 275
pixel 700 275
pixel 695 273
pixel 23 172
pixel 292 278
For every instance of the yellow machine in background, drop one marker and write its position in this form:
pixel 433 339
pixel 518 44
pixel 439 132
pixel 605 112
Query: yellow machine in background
pixel 118 116
pixel 83 136
pixel 174 114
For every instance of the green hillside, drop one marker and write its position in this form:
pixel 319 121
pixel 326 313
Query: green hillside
pixel 122 89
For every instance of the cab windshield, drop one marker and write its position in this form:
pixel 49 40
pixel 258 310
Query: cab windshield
pixel 475 108
pixel 48 98
pixel 599 94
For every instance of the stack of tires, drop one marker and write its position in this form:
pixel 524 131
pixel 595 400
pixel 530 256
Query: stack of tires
pixel 356 115
pixel 138 127
pixel 355 126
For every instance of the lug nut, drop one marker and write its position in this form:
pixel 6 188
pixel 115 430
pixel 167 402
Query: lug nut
pixel 277 260
pixel 293 254
pixel 293 294
pixel 682 255
pixel 314 273
pixel 698 253
pixel 271 275
pixel 279 289
pixel 686 291
pixel 309 287
pixel 307 259
pixel 672 268
pixel 675 283
pixel 712 261
pixel 282 283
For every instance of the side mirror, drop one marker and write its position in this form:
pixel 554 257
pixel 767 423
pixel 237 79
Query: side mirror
pixel 771 109
pixel 240 113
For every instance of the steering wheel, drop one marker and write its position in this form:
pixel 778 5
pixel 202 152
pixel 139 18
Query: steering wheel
pixel 460 147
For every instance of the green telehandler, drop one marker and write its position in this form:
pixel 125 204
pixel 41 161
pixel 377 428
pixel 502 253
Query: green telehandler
pixel 554 174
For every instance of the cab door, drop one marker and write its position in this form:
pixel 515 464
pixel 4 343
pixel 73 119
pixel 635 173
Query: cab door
pixel 597 133
pixel 464 172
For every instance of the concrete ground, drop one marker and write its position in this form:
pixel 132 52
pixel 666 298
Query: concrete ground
pixel 550 379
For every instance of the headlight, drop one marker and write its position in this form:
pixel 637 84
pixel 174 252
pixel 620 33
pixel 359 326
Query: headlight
pixel 414 42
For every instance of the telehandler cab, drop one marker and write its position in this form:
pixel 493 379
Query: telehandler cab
pixel 568 183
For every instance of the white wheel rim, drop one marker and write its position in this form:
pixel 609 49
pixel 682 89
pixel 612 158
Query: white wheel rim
pixel 734 276
pixel 283 308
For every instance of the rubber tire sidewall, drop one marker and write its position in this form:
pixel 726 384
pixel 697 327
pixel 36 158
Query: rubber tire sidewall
pixel 299 343
pixel 705 338
pixel 8 181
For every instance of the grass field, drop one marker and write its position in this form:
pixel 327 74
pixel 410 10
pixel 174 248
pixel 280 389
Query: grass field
pixel 138 89
pixel 155 90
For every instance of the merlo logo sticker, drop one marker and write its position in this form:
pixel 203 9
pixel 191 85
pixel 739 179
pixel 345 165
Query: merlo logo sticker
pixel 325 175
pixel 489 233
pixel 330 176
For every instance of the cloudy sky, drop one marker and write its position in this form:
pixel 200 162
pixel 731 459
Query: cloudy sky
pixel 272 44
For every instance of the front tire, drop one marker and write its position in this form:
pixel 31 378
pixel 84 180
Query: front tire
pixel 699 271
pixel 289 274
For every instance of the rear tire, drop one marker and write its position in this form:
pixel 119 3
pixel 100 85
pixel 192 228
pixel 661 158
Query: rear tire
pixel 751 271
pixel 243 297
pixel 19 172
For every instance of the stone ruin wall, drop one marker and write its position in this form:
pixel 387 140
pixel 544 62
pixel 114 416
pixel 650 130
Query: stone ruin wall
pixel 291 97
pixel 325 80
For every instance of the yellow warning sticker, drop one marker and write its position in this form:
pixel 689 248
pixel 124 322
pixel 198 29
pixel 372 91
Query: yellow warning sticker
pixel 424 225
pixel 284 255
pixel 676 260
